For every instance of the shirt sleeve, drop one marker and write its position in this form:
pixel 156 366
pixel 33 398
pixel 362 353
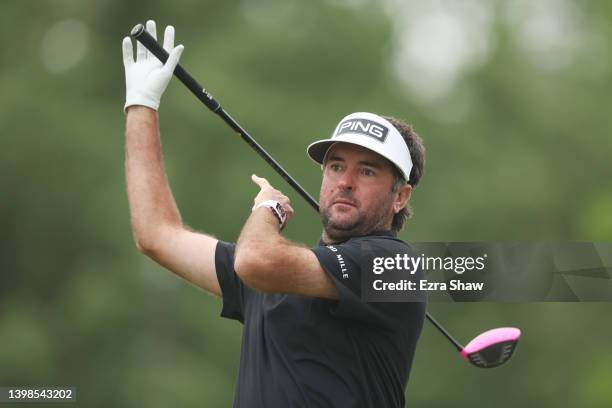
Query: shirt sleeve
pixel 343 264
pixel 235 294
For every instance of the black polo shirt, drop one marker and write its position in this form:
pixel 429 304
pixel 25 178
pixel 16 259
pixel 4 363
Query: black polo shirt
pixel 300 351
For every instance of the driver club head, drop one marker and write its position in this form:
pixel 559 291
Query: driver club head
pixel 492 348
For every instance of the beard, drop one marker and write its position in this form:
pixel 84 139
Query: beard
pixel 359 224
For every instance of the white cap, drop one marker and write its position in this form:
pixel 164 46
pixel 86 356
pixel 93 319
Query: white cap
pixel 372 132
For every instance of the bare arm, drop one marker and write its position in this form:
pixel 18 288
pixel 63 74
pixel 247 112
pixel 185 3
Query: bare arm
pixel 156 222
pixel 268 262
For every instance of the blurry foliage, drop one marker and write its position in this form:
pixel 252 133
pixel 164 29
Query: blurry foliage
pixel 530 160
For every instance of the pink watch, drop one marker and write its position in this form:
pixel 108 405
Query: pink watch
pixel 277 209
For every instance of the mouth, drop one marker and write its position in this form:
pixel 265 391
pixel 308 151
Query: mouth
pixel 344 202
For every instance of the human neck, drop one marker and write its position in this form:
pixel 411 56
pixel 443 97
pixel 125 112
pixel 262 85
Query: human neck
pixel 329 240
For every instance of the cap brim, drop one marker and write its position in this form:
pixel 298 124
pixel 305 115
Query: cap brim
pixel 371 132
pixel 317 150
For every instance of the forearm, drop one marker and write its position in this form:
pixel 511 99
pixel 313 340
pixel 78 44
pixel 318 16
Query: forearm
pixel 268 262
pixel 259 247
pixel 152 206
pixel 260 234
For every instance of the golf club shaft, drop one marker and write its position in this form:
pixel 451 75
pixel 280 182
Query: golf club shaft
pixel 140 34
pixel 442 330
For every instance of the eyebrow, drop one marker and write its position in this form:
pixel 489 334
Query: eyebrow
pixel 370 164
pixel 335 158
pixel 361 162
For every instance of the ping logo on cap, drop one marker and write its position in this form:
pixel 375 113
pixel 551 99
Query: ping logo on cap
pixel 364 127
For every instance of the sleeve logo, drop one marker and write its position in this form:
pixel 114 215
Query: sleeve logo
pixel 341 263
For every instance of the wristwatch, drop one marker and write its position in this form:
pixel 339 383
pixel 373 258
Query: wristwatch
pixel 277 209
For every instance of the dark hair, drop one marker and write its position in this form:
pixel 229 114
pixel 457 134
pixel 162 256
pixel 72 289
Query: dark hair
pixel 417 154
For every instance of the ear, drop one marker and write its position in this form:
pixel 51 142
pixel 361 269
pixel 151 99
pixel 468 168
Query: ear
pixel 402 197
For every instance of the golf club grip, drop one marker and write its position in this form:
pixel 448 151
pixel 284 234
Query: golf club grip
pixel 140 34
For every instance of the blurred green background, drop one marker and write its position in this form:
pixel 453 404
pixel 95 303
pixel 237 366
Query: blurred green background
pixel 512 99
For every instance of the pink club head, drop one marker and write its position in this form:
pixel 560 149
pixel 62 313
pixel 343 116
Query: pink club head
pixel 492 348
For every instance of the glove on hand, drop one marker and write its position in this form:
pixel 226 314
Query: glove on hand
pixel 146 78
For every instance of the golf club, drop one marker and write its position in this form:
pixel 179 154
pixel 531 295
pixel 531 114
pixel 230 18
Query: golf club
pixel 489 349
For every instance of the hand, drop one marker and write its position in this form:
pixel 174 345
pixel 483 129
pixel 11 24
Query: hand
pixel 268 192
pixel 146 78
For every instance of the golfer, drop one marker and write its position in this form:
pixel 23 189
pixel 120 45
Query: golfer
pixel 309 339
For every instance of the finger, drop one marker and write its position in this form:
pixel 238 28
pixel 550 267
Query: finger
pixel 141 51
pixel 289 213
pixel 281 198
pixel 152 29
pixel 260 181
pixel 289 210
pixel 169 39
pixel 173 59
pixel 284 201
pixel 128 52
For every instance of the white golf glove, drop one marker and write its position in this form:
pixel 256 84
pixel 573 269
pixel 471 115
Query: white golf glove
pixel 146 78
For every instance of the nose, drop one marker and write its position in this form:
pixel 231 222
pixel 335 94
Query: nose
pixel 346 181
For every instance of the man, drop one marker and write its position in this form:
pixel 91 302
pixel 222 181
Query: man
pixel 309 340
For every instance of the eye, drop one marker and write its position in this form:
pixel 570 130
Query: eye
pixel 368 172
pixel 335 167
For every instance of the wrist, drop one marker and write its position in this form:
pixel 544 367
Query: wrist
pixel 140 109
pixel 276 209
pixel 140 99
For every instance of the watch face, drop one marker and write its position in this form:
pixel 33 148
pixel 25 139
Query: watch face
pixel 281 210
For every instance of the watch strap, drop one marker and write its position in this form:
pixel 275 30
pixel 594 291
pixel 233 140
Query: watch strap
pixel 277 209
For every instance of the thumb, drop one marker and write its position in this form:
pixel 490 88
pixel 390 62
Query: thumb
pixel 174 57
